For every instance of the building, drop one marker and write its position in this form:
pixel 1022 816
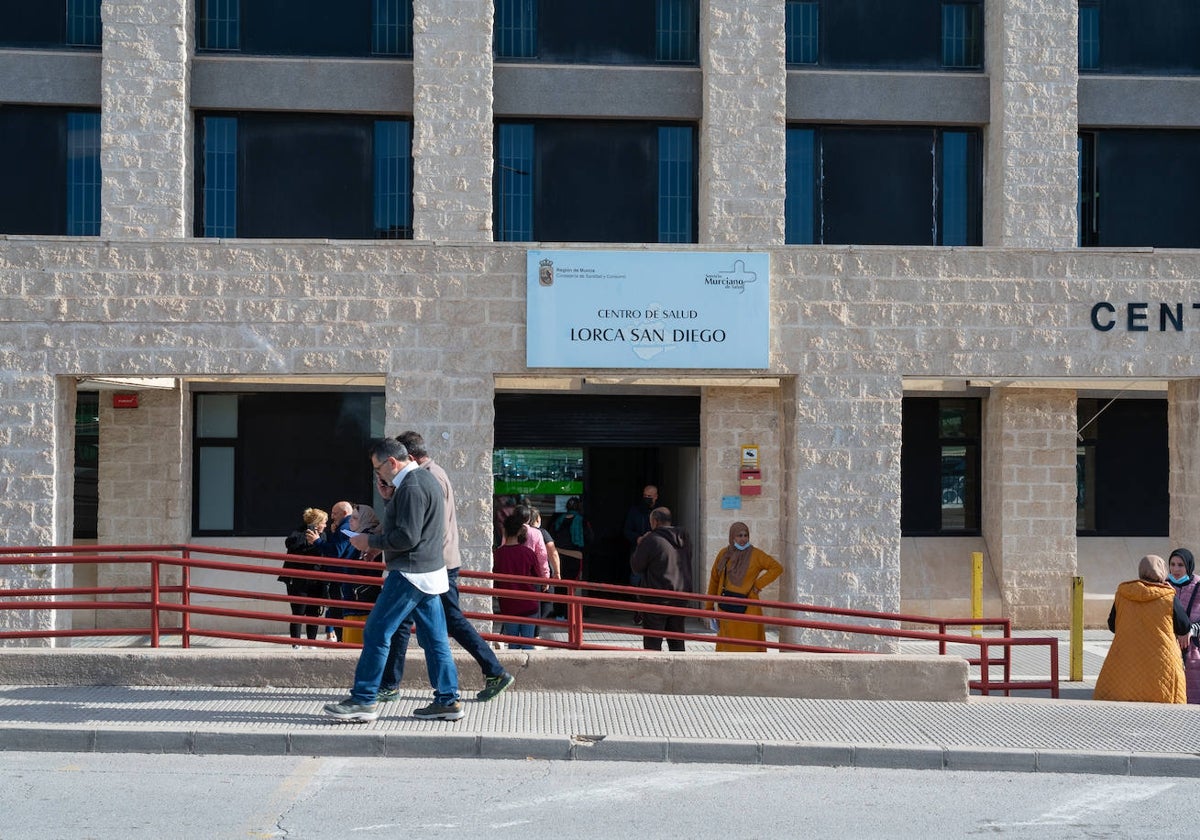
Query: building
pixel 285 234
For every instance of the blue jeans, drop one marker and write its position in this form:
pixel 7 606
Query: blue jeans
pixel 524 630
pixel 398 600
pixel 457 626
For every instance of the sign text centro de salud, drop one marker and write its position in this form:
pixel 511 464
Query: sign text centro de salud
pixel 648 309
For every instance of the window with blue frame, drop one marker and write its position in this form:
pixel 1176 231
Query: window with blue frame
pixel 50 23
pixel 598 31
pixel 1133 37
pixel 303 176
pixel 883 186
pixel 885 34
pixel 1138 188
pixel 595 181
pixel 1089 34
pixel 305 27
pixel 50 169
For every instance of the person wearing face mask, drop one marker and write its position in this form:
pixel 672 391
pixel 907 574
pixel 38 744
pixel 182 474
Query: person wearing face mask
pixel 1181 574
pixel 741 570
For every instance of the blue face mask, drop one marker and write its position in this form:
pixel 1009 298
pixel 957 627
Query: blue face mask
pixel 1178 580
pixel 741 546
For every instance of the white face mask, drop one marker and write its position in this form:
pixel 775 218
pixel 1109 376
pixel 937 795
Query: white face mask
pixel 741 546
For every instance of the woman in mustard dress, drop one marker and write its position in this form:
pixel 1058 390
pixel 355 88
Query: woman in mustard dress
pixel 742 569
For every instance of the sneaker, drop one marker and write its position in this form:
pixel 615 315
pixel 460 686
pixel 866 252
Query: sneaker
pixel 492 686
pixel 436 711
pixel 349 711
pixel 387 695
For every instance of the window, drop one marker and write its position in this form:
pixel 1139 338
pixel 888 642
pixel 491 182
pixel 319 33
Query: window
pixel 87 464
pixel 50 169
pixel 260 459
pixel 639 180
pixel 1122 468
pixel 50 23
pixel 305 27
pixel 1132 37
pixel 883 186
pixel 886 34
pixel 1138 188
pixel 1089 34
pixel 298 176
pixel 939 466
pixel 598 31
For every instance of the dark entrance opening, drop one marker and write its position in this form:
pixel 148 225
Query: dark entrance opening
pixel 625 443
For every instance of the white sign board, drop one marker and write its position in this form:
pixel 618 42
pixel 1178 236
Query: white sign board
pixel 648 309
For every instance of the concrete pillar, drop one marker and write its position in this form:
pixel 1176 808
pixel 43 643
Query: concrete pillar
pixel 1030 189
pixel 1183 443
pixel 843 498
pixel 742 133
pixel 145 121
pixel 452 120
pixel 1029 501
pixel 729 419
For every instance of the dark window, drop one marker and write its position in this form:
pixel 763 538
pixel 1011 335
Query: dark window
pixel 260 459
pixel 50 23
pixel 1139 38
pixel 598 31
pixel 50 169
pixel 87 463
pixel 1139 188
pixel 886 34
pixel 883 186
pixel 569 181
pixel 305 27
pixel 298 176
pixel 1122 469
pixel 939 467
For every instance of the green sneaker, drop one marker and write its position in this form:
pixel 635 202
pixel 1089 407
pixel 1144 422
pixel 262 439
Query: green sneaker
pixel 492 686
pixel 386 695
pixel 349 711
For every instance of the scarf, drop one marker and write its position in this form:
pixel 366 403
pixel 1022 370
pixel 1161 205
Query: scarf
pixel 735 563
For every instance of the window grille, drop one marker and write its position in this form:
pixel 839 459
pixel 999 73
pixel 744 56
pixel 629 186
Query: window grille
pixel 514 183
pixel 391 28
pixel 83 174
pixel 220 176
pixel 676 32
pixel 220 25
pixel 1089 36
pixel 674 184
pixel 393 179
pixel 516 29
pixel 801 27
pixel 961 36
pixel 83 23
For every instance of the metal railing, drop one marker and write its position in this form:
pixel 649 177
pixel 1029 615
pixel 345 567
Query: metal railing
pixel 170 609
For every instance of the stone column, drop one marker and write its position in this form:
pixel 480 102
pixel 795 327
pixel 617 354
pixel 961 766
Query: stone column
pixel 1029 501
pixel 742 133
pixel 843 498
pixel 1030 191
pixel 452 120
pixel 145 123
pixel 1183 437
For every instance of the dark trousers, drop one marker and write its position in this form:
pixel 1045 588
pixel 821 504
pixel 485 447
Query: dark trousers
pixel 657 621
pixel 458 628
pixel 301 589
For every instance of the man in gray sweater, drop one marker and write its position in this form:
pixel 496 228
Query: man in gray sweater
pixel 412 534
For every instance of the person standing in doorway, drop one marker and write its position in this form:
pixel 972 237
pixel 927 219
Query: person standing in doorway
pixel 413 534
pixel 637 525
pixel 663 559
pixel 495 678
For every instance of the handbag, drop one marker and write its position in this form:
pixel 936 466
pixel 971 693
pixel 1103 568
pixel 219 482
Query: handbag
pixel 733 608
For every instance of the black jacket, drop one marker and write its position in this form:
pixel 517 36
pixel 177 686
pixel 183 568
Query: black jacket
pixel 664 560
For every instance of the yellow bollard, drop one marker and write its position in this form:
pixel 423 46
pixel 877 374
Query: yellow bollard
pixel 976 591
pixel 1076 629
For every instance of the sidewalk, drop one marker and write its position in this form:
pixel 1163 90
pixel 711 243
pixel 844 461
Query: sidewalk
pixel 1002 734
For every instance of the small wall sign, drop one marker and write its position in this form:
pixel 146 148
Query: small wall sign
pixel 125 400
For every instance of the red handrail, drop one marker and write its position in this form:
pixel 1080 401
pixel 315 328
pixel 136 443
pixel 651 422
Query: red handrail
pixel 576 595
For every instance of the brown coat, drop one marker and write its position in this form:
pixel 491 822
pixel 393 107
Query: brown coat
pixel 1144 663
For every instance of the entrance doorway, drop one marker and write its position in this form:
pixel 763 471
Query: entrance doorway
pixel 621 444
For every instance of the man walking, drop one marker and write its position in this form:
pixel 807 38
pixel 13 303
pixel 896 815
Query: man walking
pixel 663 558
pixel 413 531
pixel 495 678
